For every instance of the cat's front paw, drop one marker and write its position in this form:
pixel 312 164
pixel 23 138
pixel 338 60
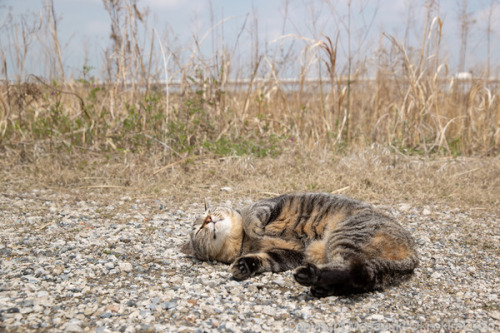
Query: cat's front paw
pixel 306 275
pixel 245 267
pixel 256 232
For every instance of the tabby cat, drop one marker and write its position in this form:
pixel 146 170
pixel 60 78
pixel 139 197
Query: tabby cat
pixel 338 245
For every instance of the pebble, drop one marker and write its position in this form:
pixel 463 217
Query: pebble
pixel 125 267
pixel 105 266
pixel 169 305
pixel 375 317
pixel 74 325
pixel 404 207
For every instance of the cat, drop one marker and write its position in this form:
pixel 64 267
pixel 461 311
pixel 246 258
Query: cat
pixel 338 245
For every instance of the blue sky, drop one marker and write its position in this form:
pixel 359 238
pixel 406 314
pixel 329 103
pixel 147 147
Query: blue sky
pixel 84 26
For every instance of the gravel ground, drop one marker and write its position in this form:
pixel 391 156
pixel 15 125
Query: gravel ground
pixel 70 264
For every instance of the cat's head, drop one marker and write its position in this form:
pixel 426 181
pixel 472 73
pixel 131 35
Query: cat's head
pixel 216 235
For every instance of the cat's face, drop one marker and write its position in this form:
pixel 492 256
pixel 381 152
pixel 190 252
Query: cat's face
pixel 217 235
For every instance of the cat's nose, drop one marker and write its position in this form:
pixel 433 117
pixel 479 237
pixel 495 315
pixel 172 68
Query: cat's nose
pixel 207 220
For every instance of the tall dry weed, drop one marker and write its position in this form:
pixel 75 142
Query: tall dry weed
pixel 187 102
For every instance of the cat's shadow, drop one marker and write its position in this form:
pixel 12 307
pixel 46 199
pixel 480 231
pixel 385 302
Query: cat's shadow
pixel 342 300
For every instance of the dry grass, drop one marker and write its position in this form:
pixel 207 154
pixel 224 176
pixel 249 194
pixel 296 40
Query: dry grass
pixel 375 175
pixel 437 138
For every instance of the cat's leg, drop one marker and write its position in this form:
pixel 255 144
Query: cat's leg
pixel 356 276
pixel 275 260
pixel 253 226
pixel 277 255
pixel 334 279
pixel 259 215
pixel 314 272
pixel 358 263
pixel 366 252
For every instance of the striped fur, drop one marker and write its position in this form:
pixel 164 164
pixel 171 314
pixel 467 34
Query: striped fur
pixel 336 244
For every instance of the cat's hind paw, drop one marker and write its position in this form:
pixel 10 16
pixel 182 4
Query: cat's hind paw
pixel 326 281
pixel 306 275
pixel 245 267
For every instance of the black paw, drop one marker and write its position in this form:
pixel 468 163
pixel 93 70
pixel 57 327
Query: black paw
pixel 333 282
pixel 306 275
pixel 319 292
pixel 325 282
pixel 245 267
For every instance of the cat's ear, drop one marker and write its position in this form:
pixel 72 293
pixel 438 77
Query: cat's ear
pixel 187 249
pixel 207 206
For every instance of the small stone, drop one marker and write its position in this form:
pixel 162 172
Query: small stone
pixel 169 305
pixel 58 270
pixel 268 311
pixel 305 314
pixel 231 327
pixel 27 303
pixel 74 326
pixel 404 207
pixel 89 311
pixel 426 212
pixel 145 313
pixel 495 315
pixel 226 189
pixel 26 310
pixel 106 315
pixel 279 281
pixel 113 307
pixel 101 329
pixel 125 267
pixel 376 317
pixel 109 265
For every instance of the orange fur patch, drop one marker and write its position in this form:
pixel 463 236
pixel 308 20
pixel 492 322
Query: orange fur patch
pixel 316 253
pixel 385 247
pixel 269 243
pixel 330 222
pixel 277 226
